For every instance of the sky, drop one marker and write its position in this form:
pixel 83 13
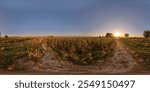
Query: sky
pixel 74 17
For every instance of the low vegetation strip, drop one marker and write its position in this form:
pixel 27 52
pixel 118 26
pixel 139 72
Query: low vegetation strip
pixel 82 50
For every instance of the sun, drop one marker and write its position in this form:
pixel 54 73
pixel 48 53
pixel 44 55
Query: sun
pixel 117 34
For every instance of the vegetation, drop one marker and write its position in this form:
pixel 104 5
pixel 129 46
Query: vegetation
pixel 126 35
pixel 79 50
pixel 141 47
pixel 6 36
pixel 82 50
pixel 13 49
pixel 146 33
pixel 109 35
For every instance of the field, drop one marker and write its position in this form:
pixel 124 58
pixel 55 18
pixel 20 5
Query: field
pixel 81 50
pixel 140 48
pixel 14 49
pixel 74 55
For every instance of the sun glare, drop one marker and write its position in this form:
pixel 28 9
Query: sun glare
pixel 117 34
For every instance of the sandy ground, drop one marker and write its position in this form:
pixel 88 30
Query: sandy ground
pixel 122 62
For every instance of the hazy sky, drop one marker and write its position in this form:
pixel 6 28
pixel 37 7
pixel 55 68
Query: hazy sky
pixel 74 17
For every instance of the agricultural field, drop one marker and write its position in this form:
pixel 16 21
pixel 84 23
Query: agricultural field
pixel 82 50
pixel 20 53
pixel 74 55
pixel 18 49
pixel 140 48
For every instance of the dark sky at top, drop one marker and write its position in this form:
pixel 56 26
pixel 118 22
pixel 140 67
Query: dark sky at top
pixel 74 17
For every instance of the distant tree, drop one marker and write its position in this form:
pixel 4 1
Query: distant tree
pixel 146 33
pixel 6 36
pixel 51 36
pixel 0 34
pixel 126 35
pixel 109 35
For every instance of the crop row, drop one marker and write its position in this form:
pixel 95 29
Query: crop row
pixel 82 50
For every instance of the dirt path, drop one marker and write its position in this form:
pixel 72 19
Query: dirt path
pixel 48 63
pixel 121 62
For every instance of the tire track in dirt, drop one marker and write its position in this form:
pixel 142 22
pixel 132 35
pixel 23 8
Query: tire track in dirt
pixel 121 62
pixel 48 63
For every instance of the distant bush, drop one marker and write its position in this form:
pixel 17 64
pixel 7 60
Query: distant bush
pixel 126 35
pixel 146 33
pixel 109 35
pixel 6 36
